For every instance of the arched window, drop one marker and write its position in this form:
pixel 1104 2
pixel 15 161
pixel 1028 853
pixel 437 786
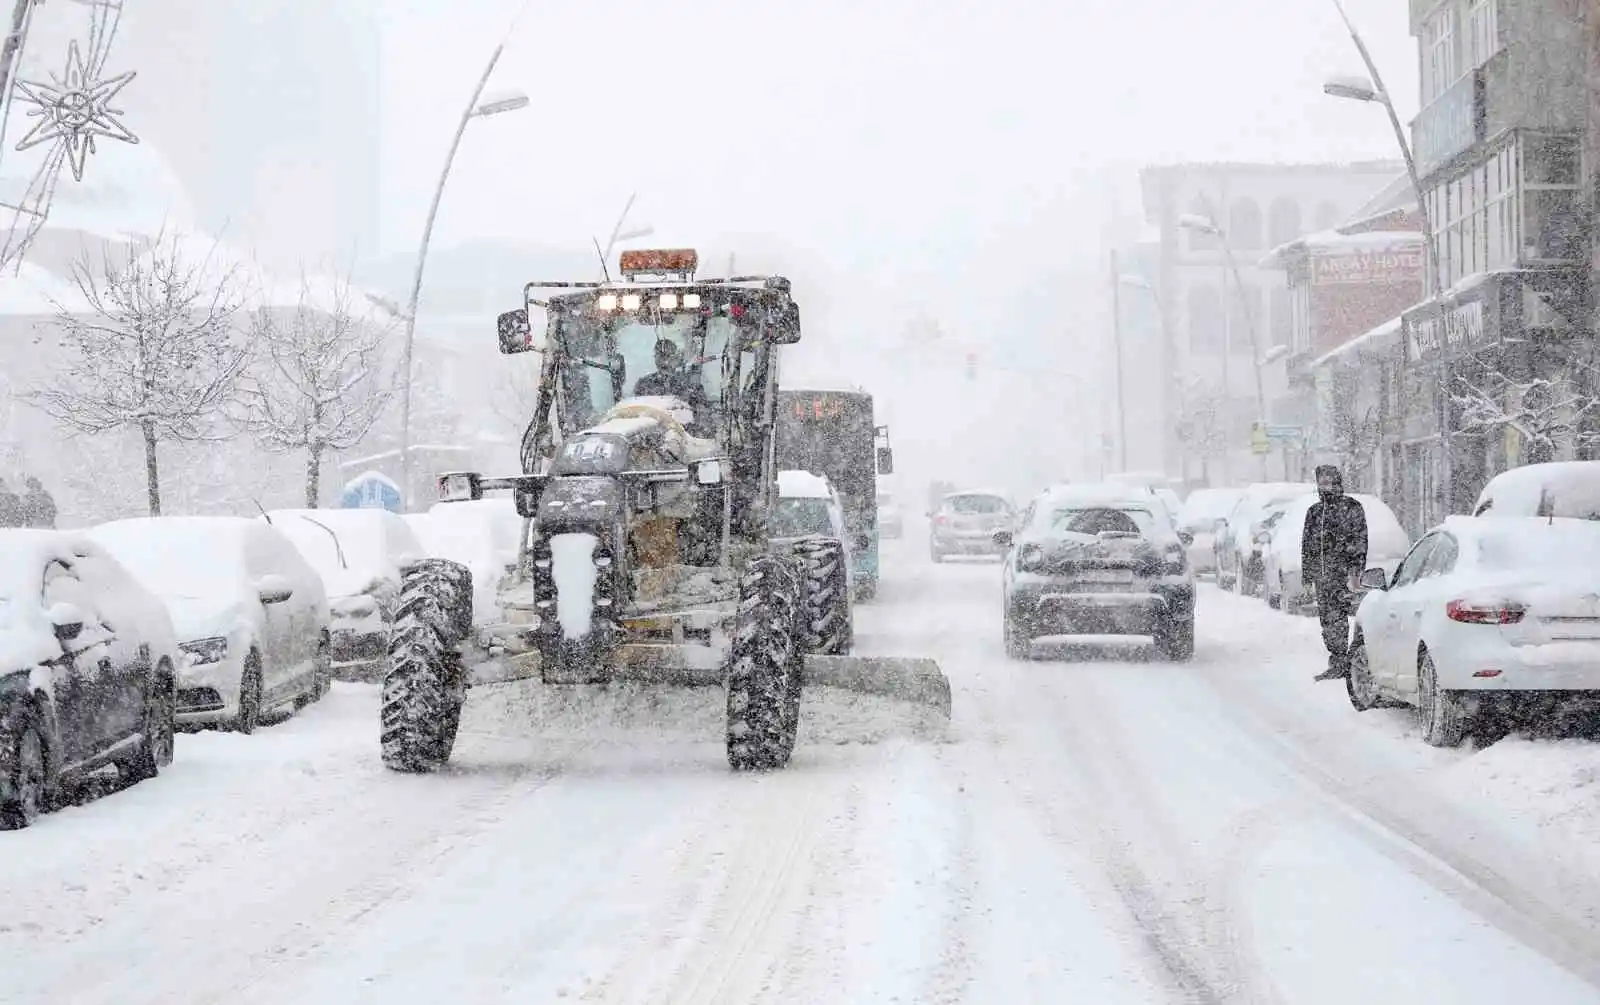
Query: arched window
pixel 1199 240
pixel 1244 317
pixel 1281 330
pixel 1328 215
pixel 1205 321
pixel 1244 225
pixel 1283 222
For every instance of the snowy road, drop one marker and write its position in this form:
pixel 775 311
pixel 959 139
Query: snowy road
pixel 1103 828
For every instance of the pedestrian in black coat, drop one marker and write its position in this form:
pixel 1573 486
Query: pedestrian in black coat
pixel 1333 553
pixel 38 506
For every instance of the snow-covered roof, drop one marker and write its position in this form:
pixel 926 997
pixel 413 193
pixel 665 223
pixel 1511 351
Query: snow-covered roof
pixel 1570 488
pixel 369 475
pixel 803 485
pixel 25 638
pixel 835 385
pixel 1383 337
pixel 1337 240
pixel 177 555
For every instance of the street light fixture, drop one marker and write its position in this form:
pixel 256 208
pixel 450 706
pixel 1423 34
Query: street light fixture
pixel 477 107
pixel 1354 88
pixel 1274 354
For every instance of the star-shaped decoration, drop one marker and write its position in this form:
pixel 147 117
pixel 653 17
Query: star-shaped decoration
pixel 75 108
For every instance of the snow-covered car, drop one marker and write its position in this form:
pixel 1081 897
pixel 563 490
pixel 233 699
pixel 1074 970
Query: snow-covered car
pixel 808 506
pixel 88 670
pixel 1387 543
pixel 1238 539
pixel 1097 560
pixel 1200 515
pixel 964 523
pixel 249 611
pixel 1481 615
pixel 1559 488
pixel 359 554
pixel 891 521
pixel 484 535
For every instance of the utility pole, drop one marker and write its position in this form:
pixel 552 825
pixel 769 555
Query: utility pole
pixel 1116 343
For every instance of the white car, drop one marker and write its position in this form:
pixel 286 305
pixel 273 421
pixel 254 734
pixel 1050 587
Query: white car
pixel 1481 613
pixel 1238 539
pixel 359 554
pixel 250 613
pixel 1387 543
pixel 809 506
pixel 1560 488
pixel 485 535
pixel 891 521
pixel 88 670
pixel 1200 515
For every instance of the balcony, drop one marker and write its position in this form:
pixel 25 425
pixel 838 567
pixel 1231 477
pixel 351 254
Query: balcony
pixel 1449 125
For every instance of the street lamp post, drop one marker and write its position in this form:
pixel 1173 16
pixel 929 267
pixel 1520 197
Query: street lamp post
pixel 1116 341
pixel 1372 90
pixel 476 108
pixel 1200 224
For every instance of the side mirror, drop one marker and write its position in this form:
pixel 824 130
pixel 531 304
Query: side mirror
pixel 707 472
pixel 1002 538
pixel 516 333
pixel 1187 537
pixel 886 460
pixel 274 589
pixel 1374 579
pixel 786 328
pixel 460 486
pixel 67 619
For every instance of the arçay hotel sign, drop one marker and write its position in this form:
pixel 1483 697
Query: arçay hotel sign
pixel 1462 325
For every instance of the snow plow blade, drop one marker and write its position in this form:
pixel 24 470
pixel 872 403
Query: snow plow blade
pixel 914 679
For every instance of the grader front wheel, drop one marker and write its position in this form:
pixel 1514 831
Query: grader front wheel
pixel 765 663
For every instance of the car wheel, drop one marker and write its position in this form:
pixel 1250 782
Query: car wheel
pixel 249 716
pixel 30 779
pixel 1276 600
pixel 1359 685
pixel 1442 714
pixel 1175 640
pixel 160 728
pixel 1018 646
pixel 935 554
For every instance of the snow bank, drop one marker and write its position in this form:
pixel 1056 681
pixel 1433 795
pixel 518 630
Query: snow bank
pixel 572 568
pixel 1560 488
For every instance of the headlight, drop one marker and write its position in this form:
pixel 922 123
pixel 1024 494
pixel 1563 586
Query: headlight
pixel 211 650
pixel 1175 560
pixel 1030 558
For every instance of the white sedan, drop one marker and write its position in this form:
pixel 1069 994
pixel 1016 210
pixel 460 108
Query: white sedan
pixel 1481 613
pixel 250 613
pixel 1387 543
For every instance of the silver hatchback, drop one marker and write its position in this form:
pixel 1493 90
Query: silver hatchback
pixel 965 523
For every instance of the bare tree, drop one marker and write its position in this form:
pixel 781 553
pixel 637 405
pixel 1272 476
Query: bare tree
pixel 1352 427
pixel 1202 428
pixel 1546 411
pixel 319 383
pixel 157 351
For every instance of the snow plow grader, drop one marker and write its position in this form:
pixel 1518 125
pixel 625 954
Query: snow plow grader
pixel 648 479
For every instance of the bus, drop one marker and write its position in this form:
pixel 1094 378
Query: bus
pixel 832 433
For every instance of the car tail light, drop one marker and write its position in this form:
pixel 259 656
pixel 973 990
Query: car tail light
pixel 940 520
pixel 1485 673
pixel 1471 613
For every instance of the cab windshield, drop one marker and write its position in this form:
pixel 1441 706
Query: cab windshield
pixel 602 352
pixel 801 518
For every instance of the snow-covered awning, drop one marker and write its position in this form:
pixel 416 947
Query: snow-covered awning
pixel 1337 241
pixel 1380 339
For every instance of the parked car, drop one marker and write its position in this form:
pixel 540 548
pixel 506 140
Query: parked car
pixel 359 554
pixel 1560 488
pixel 1238 540
pixel 1387 543
pixel 1202 513
pixel 88 671
pixel 964 523
pixel 1482 615
pixel 891 521
pixel 1097 560
pixel 484 535
pixel 249 611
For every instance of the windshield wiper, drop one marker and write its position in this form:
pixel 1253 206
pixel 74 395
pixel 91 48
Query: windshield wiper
pixel 337 547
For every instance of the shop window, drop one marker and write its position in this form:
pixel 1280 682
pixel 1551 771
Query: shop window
pixel 1552 214
pixel 1484 19
pixel 1283 221
pixel 1439 65
pixel 1244 225
pixel 1205 321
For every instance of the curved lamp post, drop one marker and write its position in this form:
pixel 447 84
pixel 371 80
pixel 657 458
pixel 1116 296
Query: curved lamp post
pixel 476 108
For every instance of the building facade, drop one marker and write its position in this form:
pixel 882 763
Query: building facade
pixel 1499 150
pixel 1221 332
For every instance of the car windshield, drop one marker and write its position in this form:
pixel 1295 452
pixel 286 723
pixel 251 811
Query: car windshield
pixel 177 562
pixel 601 349
pixel 331 545
pixel 975 505
pixel 801 517
pixel 1101 520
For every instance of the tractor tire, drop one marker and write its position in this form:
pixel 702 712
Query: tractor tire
pixel 424 688
pixel 764 666
pixel 825 585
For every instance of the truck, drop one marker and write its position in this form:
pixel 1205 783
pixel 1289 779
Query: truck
pixel 831 432
pixel 647 487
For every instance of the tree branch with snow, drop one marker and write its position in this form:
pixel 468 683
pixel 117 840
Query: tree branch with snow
pixel 157 351
pixel 1546 411
pixel 319 381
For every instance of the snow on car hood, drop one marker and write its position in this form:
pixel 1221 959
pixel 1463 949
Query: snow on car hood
pixel 341 583
pixel 206 617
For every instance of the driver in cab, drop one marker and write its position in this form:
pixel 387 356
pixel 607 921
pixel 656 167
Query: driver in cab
pixel 673 379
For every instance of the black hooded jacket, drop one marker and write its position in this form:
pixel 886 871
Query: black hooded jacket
pixel 1334 541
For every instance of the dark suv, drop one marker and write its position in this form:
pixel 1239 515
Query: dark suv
pixel 964 523
pixel 1097 560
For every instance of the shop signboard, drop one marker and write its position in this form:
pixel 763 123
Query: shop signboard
pixel 1427 335
pixel 1395 265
